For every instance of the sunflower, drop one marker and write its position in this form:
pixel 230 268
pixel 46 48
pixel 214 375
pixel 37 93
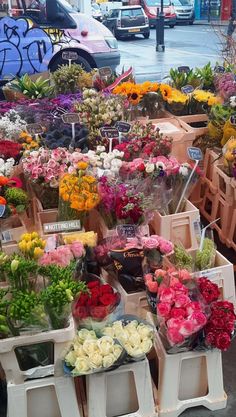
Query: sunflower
pixel 166 91
pixel 135 96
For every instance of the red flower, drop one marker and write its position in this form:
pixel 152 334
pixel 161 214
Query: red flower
pixel 209 290
pixel 80 312
pixel 141 167
pixel 82 300
pixel 99 312
pixel 106 289
pixel 223 341
pixel 178 313
pixel 108 299
pixel 225 305
pixel 211 339
pixel 93 284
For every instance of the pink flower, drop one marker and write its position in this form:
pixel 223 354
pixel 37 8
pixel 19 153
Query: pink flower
pixel 150 243
pixel 184 275
pixel 160 273
pixel 163 309
pixel 152 286
pixel 148 277
pixel 167 295
pixel 173 323
pixel 199 319
pixel 178 287
pixel 174 336
pixel 77 249
pixel 187 328
pixel 178 313
pixel 165 246
pixel 193 306
pixel 182 300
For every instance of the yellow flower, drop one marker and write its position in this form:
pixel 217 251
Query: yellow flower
pixel 166 91
pixel 22 245
pixel 26 237
pixel 34 235
pixel 214 100
pixel 229 156
pixel 206 97
pixel 177 97
pixel 38 252
pixel 82 165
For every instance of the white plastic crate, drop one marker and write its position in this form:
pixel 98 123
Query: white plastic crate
pixel 61 340
pixel 124 392
pixel 47 397
pixel 188 379
pixel 181 228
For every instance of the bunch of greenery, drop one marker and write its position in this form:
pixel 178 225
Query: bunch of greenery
pixel 39 88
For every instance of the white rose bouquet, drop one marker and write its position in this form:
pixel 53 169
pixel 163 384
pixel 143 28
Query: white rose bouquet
pixel 90 354
pixel 134 335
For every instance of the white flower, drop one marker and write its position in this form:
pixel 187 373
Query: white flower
pixel 71 357
pixel 96 360
pixel 101 148
pixel 134 339
pixel 109 331
pixel 116 163
pixel 108 360
pixel 144 331
pixel 150 168
pixel 160 165
pixel 117 325
pixel 90 346
pixel 105 345
pixel 183 170
pixel 232 101
pixel 84 334
pixel 103 155
pixel 82 365
pixel 117 350
pixel 146 345
pixel 106 165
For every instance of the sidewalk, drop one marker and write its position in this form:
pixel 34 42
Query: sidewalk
pixel 212 22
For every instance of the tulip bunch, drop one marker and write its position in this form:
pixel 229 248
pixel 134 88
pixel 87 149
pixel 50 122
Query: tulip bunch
pixel 31 245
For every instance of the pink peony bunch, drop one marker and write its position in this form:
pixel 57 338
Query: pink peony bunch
pixel 63 255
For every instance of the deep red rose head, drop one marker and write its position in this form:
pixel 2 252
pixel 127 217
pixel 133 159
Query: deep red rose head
pixel 106 289
pixel 211 339
pixel 99 312
pixel 93 301
pixel 79 312
pixel 108 299
pixel 141 167
pixel 82 300
pixel 95 292
pixel 223 341
pixel 93 284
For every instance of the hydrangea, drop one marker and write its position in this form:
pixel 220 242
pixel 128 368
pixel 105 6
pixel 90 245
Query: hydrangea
pixel 11 125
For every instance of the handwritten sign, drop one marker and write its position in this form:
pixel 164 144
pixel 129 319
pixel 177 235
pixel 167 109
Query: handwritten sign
pixel 34 129
pixel 105 72
pixel 70 55
pixel 127 230
pixel 187 89
pixel 2 210
pixel 184 69
pixel 70 118
pixel 194 153
pixel 123 127
pixel 109 132
pixel 219 68
pixel 62 226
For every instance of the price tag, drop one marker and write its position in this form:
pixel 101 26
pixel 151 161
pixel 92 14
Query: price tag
pixel 194 153
pixel 184 69
pixel 233 119
pixel 109 132
pixel 123 127
pixel 70 118
pixel 58 112
pixel 34 129
pixel 105 72
pixel 7 236
pixel 219 68
pixel 187 89
pixel 70 55
pixel 2 210
pixel 197 228
pixel 127 230
pixel 62 226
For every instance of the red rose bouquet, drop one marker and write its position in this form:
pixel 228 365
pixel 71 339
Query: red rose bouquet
pixel 98 307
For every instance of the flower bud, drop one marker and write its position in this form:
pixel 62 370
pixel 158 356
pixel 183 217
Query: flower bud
pixel 14 265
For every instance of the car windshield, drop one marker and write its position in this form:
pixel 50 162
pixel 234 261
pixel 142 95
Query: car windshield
pixel 185 3
pixel 177 3
pixel 154 3
pixel 67 6
pixel 95 6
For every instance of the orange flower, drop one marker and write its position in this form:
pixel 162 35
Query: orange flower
pixel 82 165
pixel 3 201
pixel 3 181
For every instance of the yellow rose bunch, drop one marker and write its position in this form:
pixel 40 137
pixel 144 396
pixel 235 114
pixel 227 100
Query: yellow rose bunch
pixel 31 245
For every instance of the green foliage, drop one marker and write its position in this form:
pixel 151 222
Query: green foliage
pixel 33 89
pixel 182 258
pixel 17 197
pixel 66 78
pixel 205 257
pixel 206 75
pixel 180 79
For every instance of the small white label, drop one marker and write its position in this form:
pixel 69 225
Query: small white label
pixel 167 127
pixel 62 226
pixel 197 228
pixel 7 237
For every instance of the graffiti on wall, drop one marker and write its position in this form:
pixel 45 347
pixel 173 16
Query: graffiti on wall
pixel 23 48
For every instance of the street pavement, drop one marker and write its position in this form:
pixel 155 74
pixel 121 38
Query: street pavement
pixel 184 45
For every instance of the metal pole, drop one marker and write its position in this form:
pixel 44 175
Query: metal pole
pixel 160 23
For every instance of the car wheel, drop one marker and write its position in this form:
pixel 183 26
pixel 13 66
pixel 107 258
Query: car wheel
pixel 172 26
pixel 146 35
pixel 191 22
pixel 80 61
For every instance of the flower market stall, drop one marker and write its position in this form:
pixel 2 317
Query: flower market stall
pixel 112 285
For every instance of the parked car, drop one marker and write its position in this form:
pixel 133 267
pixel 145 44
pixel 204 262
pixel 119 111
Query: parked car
pixel 184 11
pixel 128 21
pixel 151 8
pixel 35 34
pixel 96 12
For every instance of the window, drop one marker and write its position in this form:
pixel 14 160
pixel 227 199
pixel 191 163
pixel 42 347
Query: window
pixel 137 12
pixel 114 13
pixel 126 13
pixel 36 9
pixel 3 8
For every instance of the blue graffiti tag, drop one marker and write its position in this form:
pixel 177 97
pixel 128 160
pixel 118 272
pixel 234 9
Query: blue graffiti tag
pixel 23 49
